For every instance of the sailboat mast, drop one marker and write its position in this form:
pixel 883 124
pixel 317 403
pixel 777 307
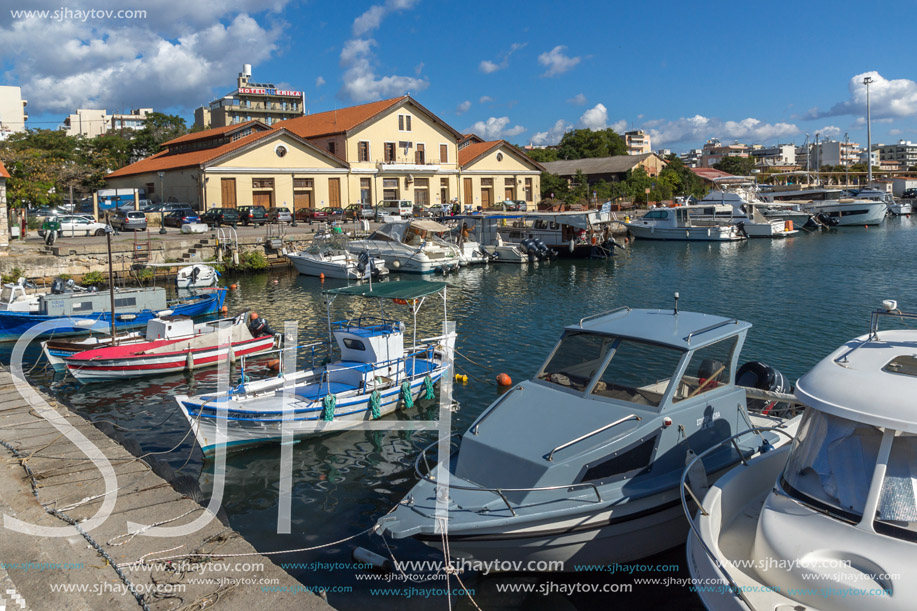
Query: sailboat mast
pixel 111 283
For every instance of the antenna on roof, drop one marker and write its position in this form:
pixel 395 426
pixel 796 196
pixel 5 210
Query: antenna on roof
pixel 676 303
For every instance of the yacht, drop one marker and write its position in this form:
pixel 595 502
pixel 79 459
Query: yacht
pixel 410 246
pixel 581 463
pixel 677 224
pixel 829 522
pixel 734 201
pixel 837 203
pixel 328 256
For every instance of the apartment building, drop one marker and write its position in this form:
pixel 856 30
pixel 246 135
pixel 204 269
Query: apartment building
pixel 637 142
pixel 713 151
pixel 904 151
pixel 4 229
pixel 251 101
pixel 90 123
pixel 12 111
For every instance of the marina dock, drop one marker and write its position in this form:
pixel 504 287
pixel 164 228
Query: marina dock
pixel 47 481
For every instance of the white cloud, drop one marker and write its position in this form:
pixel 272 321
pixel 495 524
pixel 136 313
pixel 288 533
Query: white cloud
pixel 894 132
pixel 485 99
pixel 887 98
pixel 828 131
pixel 488 67
pixel 577 100
pixel 463 107
pixel 179 53
pixel 319 81
pixel 556 62
pixel 361 84
pixel 595 118
pixel 553 135
pixel 495 128
pixel 619 127
pixel 699 127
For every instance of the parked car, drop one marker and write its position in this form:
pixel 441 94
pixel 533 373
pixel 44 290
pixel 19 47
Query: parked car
pixel 177 218
pixel 334 214
pixel 394 207
pixel 76 225
pixel 355 212
pixel 128 219
pixel 511 205
pixel 279 215
pixel 216 217
pixel 421 211
pixel 909 194
pixel 252 215
pixel 311 214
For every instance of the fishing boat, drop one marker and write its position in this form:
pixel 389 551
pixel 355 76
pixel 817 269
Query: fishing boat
pixel 410 246
pixel 133 307
pixel 581 463
pixel 56 350
pixel 900 208
pixel 829 522
pixel 172 344
pixel 375 374
pixel 329 257
pixel 677 224
pixel 198 275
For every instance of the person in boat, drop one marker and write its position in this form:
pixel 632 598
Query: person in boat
pixel 258 326
pixel 465 233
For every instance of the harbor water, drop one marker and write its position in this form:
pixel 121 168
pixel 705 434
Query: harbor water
pixel 804 296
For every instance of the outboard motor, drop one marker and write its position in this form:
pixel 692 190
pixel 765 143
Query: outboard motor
pixel 58 286
pixel 740 227
pixel 528 245
pixel 363 261
pixel 543 251
pixel 756 374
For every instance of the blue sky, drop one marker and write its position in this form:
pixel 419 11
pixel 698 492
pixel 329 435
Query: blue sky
pixel 762 72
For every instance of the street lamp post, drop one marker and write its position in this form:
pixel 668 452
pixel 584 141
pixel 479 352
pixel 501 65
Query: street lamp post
pixel 867 81
pixel 162 205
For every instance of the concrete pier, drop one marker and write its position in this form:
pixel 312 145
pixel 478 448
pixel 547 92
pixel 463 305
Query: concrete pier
pixel 47 480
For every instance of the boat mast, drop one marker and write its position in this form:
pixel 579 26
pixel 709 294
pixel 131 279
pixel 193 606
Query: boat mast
pixel 111 283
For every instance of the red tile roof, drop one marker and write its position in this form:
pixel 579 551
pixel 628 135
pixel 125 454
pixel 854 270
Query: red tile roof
pixel 337 121
pixel 472 152
pixel 210 133
pixel 165 161
pixel 3 172
pixel 709 173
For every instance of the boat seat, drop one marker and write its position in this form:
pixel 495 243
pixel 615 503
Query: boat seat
pixel 314 392
pixel 418 367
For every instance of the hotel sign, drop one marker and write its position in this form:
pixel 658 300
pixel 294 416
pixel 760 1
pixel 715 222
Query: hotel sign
pixel 262 91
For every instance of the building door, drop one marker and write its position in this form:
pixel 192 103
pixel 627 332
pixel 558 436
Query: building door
pixel 227 193
pixel 469 194
pixel 510 193
pixel 422 197
pixel 487 197
pixel 301 200
pixel 334 192
pixel 262 198
pixel 366 191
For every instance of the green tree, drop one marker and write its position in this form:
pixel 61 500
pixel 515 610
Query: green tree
pixel 157 128
pixel 587 143
pixel 542 155
pixel 738 166
pixel 554 186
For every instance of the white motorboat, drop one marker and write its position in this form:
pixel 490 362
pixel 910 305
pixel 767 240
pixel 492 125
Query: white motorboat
pixel 198 275
pixel 411 246
pixel 900 208
pixel 734 201
pixel 584 235
pixel 375 375
pixel 831 521
pixel 328 256
pixel 481 234
pixel 677 224
pixel 867 207
pixel 581 462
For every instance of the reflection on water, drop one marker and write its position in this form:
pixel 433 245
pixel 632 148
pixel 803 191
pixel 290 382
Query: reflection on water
pixel 804 296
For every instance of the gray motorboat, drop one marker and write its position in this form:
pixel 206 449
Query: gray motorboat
pixel 582 463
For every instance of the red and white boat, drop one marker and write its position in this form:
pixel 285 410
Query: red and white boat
pixel 179 345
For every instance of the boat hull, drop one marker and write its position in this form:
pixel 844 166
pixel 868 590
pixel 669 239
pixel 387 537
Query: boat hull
pixel 863 212
pixel 172 362
pixel 14 324
pixel 247 428
pixel 694 234
pixel 901 208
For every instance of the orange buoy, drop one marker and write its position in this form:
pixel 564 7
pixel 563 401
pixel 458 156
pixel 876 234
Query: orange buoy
pixel 504 380
pixel 233 286
pixel 273 364
pixel 224 309
pixel 322 276
pixel 866 226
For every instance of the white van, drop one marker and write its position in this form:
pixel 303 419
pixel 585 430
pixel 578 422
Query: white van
pixel 394 207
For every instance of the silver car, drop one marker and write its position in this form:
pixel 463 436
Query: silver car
pixel 129 219
pixel 279 215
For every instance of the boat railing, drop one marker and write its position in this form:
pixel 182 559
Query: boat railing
pixel 685 487
pixel 369 323
pixel 600 314
pixel 563 446
pixel 732 321
pixel 500 492
pixel 280 353
pixel 490 410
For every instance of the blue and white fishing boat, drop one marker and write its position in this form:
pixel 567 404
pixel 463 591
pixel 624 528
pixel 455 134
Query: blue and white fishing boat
pixel 582 463
pixel 375 374
pixel 81 312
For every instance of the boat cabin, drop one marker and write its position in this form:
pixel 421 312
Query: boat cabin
pixel 127 300
pixel 15 298
pixel 169 327
pixel 675 218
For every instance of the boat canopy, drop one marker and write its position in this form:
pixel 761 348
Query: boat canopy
pixel 426 225
pixel 412 289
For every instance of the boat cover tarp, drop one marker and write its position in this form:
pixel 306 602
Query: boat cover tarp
pixel 411 289
pixel 426 225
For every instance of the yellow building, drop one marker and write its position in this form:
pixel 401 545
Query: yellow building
pixel 391 149
pixel 495 171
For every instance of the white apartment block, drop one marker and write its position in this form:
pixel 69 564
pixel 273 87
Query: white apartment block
pixel 781 154
pixel 90 123
pixel 904 151
pixel 12 111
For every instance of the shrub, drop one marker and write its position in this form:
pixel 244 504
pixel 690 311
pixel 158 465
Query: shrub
pixel 253 261
pixel 93 279
pixel 12 276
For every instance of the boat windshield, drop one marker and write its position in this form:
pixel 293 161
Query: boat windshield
pixel 637 372
pixel 897 511
pixel 831 464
